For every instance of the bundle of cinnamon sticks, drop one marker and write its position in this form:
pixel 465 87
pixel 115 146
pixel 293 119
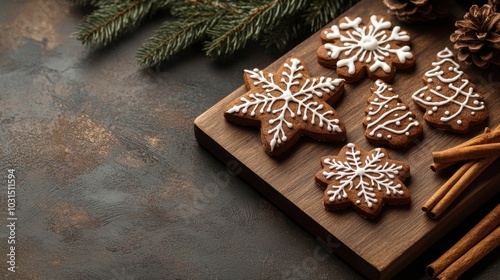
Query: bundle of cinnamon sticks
pixel 477 243
pixel 476 155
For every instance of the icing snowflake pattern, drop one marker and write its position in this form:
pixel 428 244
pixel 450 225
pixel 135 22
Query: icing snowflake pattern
pixel 362 177
pixel 448 91
pixel 374 46
pixel 294 96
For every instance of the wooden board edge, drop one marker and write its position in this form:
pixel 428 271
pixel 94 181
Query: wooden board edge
pixel 465 208
pixel 328 241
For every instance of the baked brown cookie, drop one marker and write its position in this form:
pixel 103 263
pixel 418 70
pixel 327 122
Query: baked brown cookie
pixel 365 180
pixel 388 120
pixel 449 99
pixel 288 103
pixel 376 49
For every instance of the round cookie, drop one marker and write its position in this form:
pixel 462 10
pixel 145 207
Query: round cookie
pixel 288 103
pixel 355 49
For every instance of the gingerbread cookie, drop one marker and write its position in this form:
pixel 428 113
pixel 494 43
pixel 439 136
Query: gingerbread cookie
pixel 365 180
pixel 388 120
pixel 287 104
pixel 354 49
pixel 449 99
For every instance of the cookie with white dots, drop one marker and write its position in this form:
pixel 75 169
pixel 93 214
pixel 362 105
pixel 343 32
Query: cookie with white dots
pixel 450 101
pixel 287 104
pixel 364 180
pixel 388 120
pixel 373 47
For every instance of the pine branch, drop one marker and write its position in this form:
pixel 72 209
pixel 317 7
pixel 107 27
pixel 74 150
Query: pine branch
pixel 224 25
pixel 317 14
pixel 84 3
pixel 283 33
pixel 173 36
pixel 112 19
pixel 321 12
pixel 235 30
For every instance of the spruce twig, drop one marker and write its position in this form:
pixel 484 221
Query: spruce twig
pixel 223 25
pixel 286 30
pixel 111 19
pixel 236 30
pixel 173 36
pixel 320 12
pixel 84 3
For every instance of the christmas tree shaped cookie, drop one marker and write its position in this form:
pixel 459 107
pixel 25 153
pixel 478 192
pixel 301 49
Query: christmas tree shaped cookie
pixel 364 179
pixel 449 99
pixel 388 120
pixel 287 104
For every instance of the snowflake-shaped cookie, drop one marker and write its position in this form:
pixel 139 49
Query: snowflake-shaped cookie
pixel 375 48
pixel 287 104
pixel 363 179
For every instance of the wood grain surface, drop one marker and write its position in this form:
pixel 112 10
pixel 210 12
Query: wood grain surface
pixel 377 248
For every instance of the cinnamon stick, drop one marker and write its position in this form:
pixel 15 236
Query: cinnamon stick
pixel 465 153
pixel 444 189
pixel 473 237
pixel 470 175
pixel 489 136
pixel 472 256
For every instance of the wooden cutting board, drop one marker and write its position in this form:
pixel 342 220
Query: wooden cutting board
pixel 376 248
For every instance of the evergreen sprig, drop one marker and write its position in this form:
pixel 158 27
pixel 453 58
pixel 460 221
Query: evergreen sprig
pixel 111 19
pixel 85 3
pixel 224 26
pixel 173 36
pixel 235 30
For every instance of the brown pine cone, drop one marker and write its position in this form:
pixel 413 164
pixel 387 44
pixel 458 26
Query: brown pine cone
pixel 477 37
pixel 417 10
pixel 495 5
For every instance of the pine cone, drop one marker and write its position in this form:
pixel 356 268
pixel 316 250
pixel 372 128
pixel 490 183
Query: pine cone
pixel 477 38
pixel 417 10
pixel 495 5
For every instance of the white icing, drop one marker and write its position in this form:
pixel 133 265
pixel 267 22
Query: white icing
pixel 384 121
pixel 364 177
pixel 368 44
pixel 461 95
pixel 310 110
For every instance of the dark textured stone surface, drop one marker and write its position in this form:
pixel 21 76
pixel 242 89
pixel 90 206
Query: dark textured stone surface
pixel 111 183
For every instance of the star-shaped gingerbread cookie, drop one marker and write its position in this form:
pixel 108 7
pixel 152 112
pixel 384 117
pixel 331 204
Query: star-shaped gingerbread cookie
pixel 364 179
pixel 354 48
pixel 287 104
